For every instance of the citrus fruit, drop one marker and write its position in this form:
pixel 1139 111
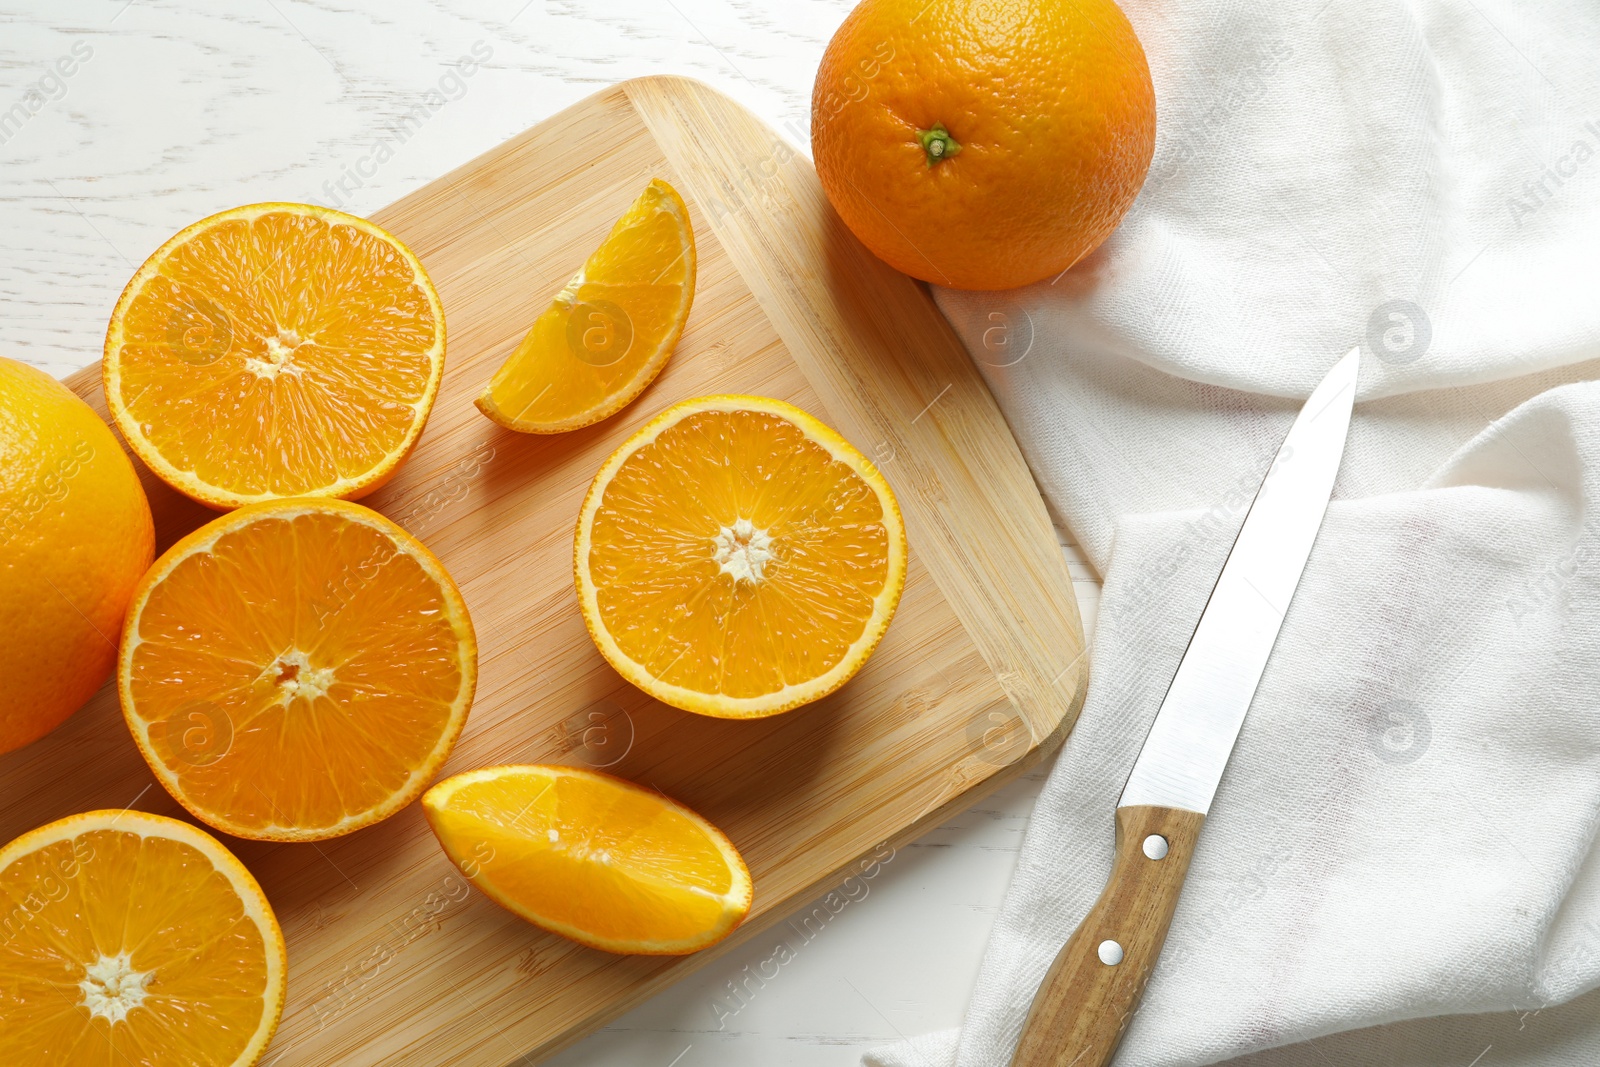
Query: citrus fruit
pixel 609 331
pixel 296 670
pixel 134 939
pixel 983 144
pixel 75 536
pixel 275 350
pixel 737 558
pixel 600 860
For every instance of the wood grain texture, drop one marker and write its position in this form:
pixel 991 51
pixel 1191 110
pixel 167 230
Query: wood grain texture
pixel 393 959
pixel 1084 1004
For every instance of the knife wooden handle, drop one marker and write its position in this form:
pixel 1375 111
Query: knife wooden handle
pixel 1085 1001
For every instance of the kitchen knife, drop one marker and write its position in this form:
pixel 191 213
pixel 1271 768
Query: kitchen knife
pixel 1093 988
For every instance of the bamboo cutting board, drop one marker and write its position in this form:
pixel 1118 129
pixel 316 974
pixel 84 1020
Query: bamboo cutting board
pixel 393 958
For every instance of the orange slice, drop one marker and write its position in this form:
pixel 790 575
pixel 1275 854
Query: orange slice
pixel 130 938
pixel 608 333
pixel 737 558
pixel 275 350
pixel 296 670
pixel 600 860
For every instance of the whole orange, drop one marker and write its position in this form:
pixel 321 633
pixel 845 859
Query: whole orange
pixel 75 538
pixel 983 144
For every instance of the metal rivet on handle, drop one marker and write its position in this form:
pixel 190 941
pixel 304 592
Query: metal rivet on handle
pixel 1155 846
pixel 1110 953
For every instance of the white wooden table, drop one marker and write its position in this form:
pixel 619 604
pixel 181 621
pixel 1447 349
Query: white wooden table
pixel 121 121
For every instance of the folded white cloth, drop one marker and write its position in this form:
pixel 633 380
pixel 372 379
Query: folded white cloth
pixel 1407 828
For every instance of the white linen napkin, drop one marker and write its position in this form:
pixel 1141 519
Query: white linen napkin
pixel 1407 827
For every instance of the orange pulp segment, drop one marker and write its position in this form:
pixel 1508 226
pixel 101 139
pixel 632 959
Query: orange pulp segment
pixel 296 670
pixel 128 938
pixel 609 331
pixel 594 858
pixel 275 350
pixel 737 558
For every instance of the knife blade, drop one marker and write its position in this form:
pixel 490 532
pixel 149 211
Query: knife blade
pixel 1091 991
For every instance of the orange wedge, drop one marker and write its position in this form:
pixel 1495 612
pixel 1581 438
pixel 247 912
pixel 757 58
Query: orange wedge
pixel 275 350
pixel 737 558
pixel 608 333
pixel 600 860
pixel 130 938
pixel 296 670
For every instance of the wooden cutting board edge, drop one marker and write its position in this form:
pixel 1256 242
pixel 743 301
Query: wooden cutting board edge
pixel 760 925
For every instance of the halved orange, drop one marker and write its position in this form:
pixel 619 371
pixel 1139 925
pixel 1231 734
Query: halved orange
pixel 129 938
pixel 609 331
pixel 275 350
pixel 296 670
pixel 737 558
pixel 610 864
